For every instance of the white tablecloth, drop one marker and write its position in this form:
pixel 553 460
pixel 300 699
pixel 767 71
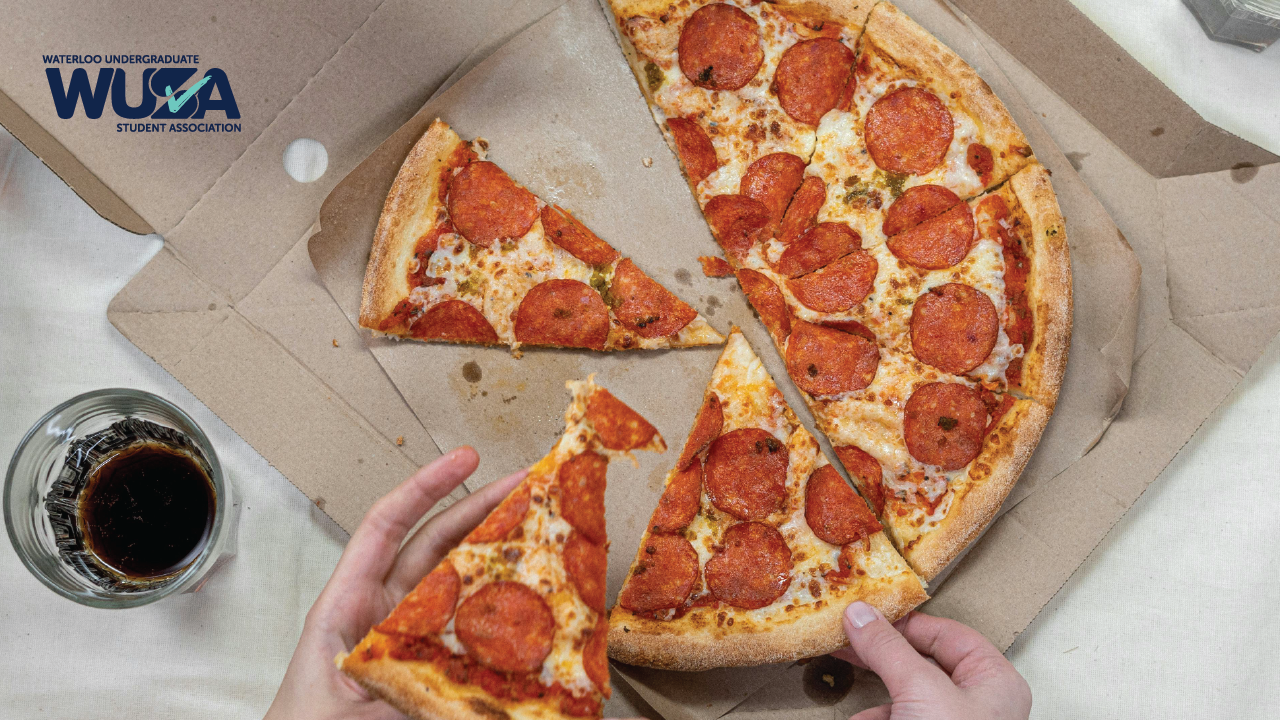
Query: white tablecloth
pixel 1172 615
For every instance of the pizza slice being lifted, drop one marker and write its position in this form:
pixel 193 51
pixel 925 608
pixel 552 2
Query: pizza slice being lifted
pixel 757 545
pixel 512 622
pixel 463 253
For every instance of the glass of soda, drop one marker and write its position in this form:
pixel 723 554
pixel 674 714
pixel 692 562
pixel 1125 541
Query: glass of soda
pixel 115 499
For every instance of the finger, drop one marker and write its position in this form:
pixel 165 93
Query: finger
pixel 885 651
pixel 946 641
pixel 881 712
pixel 851 657
pixel 443 532
pixel 373 546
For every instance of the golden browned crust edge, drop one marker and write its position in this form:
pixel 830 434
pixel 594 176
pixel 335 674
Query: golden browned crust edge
pixel 911 46
pixel 851 14
pixel 1049 285
pixel 1023 426
pixel 411 202
pixel 420 691
pixel 652 643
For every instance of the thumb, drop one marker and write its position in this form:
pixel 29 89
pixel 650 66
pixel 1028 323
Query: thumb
pixel 884 650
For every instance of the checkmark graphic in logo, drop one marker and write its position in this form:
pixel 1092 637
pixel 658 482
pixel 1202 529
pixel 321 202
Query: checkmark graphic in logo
pixel 177 101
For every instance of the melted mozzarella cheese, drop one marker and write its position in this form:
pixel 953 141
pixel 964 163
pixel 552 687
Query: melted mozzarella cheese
pixel 744 124
pixel 536 559
pixel 750 399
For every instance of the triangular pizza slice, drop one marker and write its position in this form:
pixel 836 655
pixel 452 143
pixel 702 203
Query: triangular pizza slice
pixel 757 545
pixel 512 622
pixel 463 253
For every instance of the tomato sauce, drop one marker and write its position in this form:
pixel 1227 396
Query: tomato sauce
pixel 466 670
pixel 1019 324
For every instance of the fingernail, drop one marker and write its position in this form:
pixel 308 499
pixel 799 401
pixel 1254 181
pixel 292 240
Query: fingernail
pixel 860 614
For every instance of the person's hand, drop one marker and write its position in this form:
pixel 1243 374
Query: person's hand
pixel 372 575
pixel 933 668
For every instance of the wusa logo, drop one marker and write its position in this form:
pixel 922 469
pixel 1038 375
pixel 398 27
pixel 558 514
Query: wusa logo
pixel 160 95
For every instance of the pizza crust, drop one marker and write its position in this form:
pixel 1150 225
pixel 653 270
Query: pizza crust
pixel 1048 286
pixel 419 690
pixel 991 477
pixel 894 34
pixel 408 213
pixel 687 645
pixel 851 14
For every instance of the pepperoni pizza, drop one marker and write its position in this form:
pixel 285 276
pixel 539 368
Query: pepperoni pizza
pixel 463 253
pixel 888 221
pixel 757 544
pixel 512 622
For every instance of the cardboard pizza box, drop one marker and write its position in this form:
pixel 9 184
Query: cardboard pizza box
pixel 233 308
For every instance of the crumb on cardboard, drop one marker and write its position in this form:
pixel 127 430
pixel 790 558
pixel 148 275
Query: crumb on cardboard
pixel 715 267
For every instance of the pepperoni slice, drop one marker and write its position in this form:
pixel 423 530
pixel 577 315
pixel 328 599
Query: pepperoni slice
pixel 767 300
pixel 853 327
pixel 582 481
pixel 737 222
pixel 694 147
pixel 586 564
pixel 834 511
pixel 752 568
pixel 617 425
pixel 929 227
pixel 918 204
pixel 564 230
pixel 980 159
pixel 454 321
pixel 908 131
pixel 838 286
pixel 506 626
pixel 595 658
pixel 706 427
pixel 943 424
pixel 564 313
pixel 504 518
pixel 823 361
pixel 680 501
pixel 772 180
pixel 803 210
pixel 663 577
pixel 646 307
pixel 816 247
pixel 486 205
pixel 715 267
pixel 954 327
pixel 811 77
pixel 746 473
pixel 867 471
pixel 427 609
pixel 719 47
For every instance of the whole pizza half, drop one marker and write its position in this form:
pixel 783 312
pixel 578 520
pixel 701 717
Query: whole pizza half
pixel 890 224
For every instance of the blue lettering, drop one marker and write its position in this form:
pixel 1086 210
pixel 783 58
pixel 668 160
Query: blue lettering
pixel 65 100
pixel 120 102
pixel 172 79
pixel 225 102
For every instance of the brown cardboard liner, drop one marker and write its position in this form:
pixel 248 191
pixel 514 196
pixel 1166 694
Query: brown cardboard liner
pixel 233 308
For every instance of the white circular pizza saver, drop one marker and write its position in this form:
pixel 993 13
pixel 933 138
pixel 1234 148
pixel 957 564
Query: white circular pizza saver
pixel 305 160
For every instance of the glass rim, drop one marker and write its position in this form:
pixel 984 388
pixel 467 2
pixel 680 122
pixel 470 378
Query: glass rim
pixel 181 580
